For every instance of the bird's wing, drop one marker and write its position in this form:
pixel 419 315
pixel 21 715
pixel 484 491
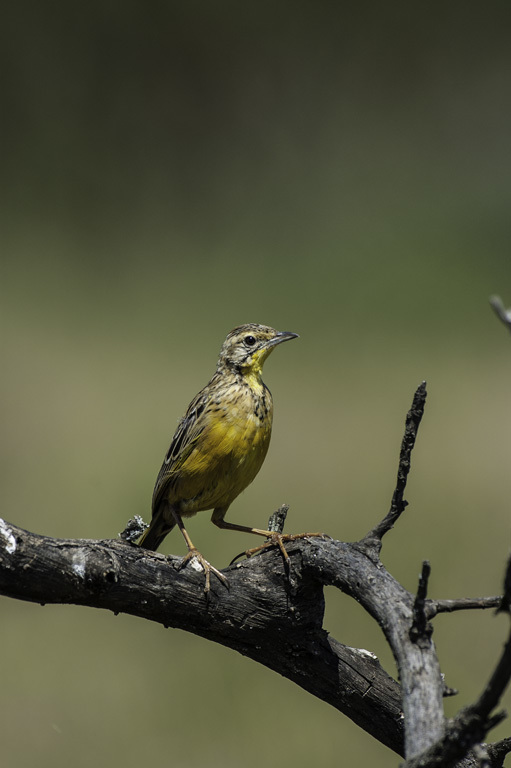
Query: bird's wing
pixel 186 435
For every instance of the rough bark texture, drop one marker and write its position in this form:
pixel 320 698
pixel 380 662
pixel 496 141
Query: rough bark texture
pixel 276 618
pixel 265 615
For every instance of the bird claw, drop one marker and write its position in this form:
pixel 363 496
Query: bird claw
pixel 277 540
pixel 199 562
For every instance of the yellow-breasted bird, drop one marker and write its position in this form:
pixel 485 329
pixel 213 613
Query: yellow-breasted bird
pixel 220 444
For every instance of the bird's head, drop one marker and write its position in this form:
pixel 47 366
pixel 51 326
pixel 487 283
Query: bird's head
pixel 247 347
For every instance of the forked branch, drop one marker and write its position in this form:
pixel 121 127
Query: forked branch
pixel 278 621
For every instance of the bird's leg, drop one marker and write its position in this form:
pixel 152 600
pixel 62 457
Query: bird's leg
pixel 194 554
pixel 274 538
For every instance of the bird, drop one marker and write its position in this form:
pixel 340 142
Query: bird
pixel 219 445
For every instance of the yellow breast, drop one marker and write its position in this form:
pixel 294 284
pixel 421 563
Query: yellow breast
pixel 229 453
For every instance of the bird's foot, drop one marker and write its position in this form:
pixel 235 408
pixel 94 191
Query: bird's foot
pixel 199 562
pixel 278 540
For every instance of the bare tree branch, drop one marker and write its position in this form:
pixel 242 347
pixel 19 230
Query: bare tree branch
pixel 470 726
pixel 433 607
pixel 262 616
pixel 420 627
pixel 398 503
pixel 277 620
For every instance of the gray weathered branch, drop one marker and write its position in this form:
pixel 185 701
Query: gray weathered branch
pixel 262 616
pixel 277 620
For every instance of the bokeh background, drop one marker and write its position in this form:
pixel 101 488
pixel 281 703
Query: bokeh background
pixel 169 171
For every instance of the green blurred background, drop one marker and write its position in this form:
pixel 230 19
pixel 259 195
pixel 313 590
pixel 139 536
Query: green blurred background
pixel 171 170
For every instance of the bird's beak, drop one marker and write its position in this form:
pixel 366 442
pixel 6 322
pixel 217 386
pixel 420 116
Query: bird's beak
pixel 280 337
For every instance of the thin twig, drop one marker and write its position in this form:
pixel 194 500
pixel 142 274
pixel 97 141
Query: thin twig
pixel 433 607
pixel 135 527
pixel 398 504
pixel 278 519
pixel 497 684
pixel 447 690
pixel 499 681
pixel 420 627
pixel 505 603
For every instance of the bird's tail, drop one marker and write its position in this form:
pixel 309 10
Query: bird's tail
pixel 154 535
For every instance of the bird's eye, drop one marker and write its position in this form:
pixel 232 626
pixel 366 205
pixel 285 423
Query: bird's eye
pixel 249 341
